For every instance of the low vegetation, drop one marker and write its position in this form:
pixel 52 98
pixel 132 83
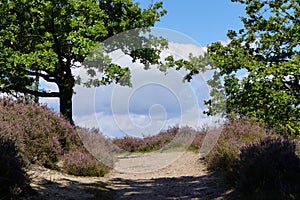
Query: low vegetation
pixel 172 138
pixel 82 164
pixel 269 169
pixel 235 134
pixel 99 145
pixel 13 178
pixel 33 133
pixel 42 136
pixel 258 164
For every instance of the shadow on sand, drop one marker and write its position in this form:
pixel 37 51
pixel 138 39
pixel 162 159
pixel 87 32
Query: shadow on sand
pixel 205 187
pixel 49 190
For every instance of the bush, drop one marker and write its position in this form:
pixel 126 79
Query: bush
pixel 235 134
pixel 269 170
pixel 98 145
pixel 83 164
pixel 297 142
pixel 198 140
pixel 150 143
pixel 13 178
pixel 45 138
pixel 174 137
pixel 40 134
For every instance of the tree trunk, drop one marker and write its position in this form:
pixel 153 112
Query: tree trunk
pixel 66 103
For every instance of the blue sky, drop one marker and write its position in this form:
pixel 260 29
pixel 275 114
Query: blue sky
pixel 157 101
pixel 205 21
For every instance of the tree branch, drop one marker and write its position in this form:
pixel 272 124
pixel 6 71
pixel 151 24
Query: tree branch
pixel 32 92
pixel 44 76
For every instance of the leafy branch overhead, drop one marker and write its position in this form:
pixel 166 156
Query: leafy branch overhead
pixel 257 74
pixel 260 65
pixel 192 66
pixel 47 39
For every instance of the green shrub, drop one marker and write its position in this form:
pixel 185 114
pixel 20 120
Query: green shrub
pixel 268 170
pixel 13 178
pixel 83 164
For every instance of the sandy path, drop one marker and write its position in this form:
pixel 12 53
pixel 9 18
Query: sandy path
pixel 172 175
pixel 54 185
pixel 164 176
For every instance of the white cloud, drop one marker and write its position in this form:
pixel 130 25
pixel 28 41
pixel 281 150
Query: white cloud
pixel 154 102
pixel 47 86
pixel 51 103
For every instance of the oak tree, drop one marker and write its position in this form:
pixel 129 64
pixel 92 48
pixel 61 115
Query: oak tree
pixel 46 38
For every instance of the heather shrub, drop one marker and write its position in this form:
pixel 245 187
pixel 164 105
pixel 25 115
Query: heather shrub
pixel 268 170
pixel 197 142
pixel 184 139
pixel 235 134
pixel 13 178
pixel 172 138
pixel 297 142
pixel 98 145
pixel 128 143
pixel 150 143
pixel 83 164
pixel 40 134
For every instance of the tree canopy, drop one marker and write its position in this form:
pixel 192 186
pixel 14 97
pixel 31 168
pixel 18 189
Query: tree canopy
pixel 46 38
pixel 260 66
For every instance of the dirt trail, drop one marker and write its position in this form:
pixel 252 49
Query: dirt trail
pixel 172 175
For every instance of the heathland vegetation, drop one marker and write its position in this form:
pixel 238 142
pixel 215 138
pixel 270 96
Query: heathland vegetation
pixel 258 150
pixel 245 154
pixel 256 162
pixel 32 134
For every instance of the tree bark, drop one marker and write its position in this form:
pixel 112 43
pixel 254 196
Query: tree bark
pixel 65 86
pixel 65 100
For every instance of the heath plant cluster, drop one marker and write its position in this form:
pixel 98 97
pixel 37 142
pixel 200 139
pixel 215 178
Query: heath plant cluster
pixel 269 169
pixel 14 180
pixel 33 134
pixel 257 163
pixel 161 140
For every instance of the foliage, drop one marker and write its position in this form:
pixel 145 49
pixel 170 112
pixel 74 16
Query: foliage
pixel 235 134
pixel 297 142
pixel 46 38
pixel 198 140
pixel 83 164
pixel 150 143
pixel 101 147
pixel 266 53
pixel 170 138
pixel 269 170
pixel 13 178
pixel 40 135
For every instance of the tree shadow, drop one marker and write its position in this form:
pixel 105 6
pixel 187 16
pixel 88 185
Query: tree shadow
pixel 53 190
pixel 205 187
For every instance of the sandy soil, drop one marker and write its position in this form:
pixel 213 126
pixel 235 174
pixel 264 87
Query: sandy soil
pixel 54 185
pixel 171 175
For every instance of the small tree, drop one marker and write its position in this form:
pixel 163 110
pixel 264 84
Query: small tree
pixel 43 38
